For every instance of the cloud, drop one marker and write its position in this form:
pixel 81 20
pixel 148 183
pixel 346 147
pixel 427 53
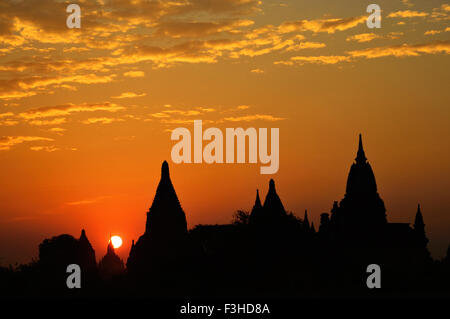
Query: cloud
pixel 102 120
pixel 254 117
pixel 169 112
pixel 306 45
pixel 367 37
pixel 7 114
pixel 258 71
pixel 49 149
pixel 441 13
pixel 371 53
pixel 407 3
pixel 6 142
pixel 29 86
pixel 67 109
pixel 363 37
pixel 87 201
pixel 194 29
pixel 75 49
pixel 55 121
pixel 404 50
pixel 127 95
pixel 8 122
pixel 434 32
pixel 57 130
pixel 407 14
pixel 322 59
pixel 322 25
pixel 134 74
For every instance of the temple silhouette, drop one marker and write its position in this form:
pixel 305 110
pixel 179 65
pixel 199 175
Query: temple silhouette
pixel 267 251
pixel 110 265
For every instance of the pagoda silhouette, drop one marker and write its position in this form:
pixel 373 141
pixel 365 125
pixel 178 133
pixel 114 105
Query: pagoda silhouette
pixel 360 217
pixel 362 207
pixel 111 265
pixel 164 243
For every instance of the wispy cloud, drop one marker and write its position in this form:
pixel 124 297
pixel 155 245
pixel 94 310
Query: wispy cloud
pixel 134 74
pixel 321 59
pixel 87 201
pixel 56 121
pixel 254 117
pixel 407 14
pixel 102 120
pixel 67 109
pixel 127 95
pixel 363 37
pixel 403 50
pixel 6 142
pixel 49 149
pixel 322 25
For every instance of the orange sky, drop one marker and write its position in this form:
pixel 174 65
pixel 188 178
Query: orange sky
pixel 86 115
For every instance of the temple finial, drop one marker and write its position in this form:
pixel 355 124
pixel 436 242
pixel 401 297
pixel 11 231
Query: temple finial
pixel 306 221
pixel 258 200
pixel 360 156
pixel 110 248
pixel 83 235
pixel 418 221
pixel 271 185
pixel 165 169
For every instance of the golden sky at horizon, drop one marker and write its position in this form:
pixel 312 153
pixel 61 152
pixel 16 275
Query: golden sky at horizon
pixel 86 114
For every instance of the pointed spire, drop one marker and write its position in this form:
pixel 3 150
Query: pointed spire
pixel 83 239
pixel 272 203
pixel 166 218
pixel 360 156
pixel 165 170
pixel 257 200
pixel 418 222
pixel 257 209
pixel 83 235
pixel 306 221
pixel 110 249
pixel 272 185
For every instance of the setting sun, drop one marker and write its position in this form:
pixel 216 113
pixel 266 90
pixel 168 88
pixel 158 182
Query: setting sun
pixel 116 241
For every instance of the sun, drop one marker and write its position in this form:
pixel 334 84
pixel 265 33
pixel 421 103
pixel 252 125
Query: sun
pixel 116 241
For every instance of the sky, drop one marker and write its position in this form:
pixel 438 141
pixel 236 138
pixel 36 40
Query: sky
pixel 86 114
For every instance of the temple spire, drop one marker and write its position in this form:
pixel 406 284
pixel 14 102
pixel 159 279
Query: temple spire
pixel 257 200
pixel 272 204
pixel 257 210
pixel 419 225
pixel 165 170
pixel 360 156
pixel 271 185
pixel 83 235
pixel 110 249
pixel 166 218
pixel 306 222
